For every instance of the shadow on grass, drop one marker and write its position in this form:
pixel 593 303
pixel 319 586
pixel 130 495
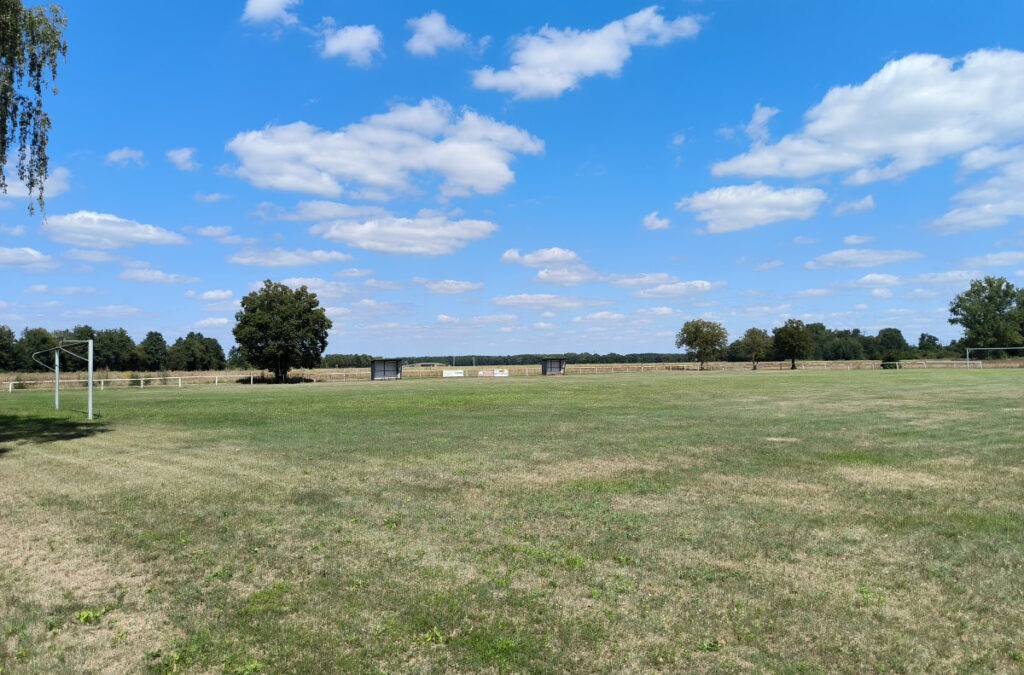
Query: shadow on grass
pixel 18 429
pixel 292 379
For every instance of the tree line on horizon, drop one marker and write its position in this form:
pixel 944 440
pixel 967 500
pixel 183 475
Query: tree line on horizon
pixel 113 349
pixel 824 344
pixel 990 311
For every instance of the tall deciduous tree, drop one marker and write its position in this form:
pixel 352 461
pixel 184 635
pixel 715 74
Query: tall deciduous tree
pixel 153 352
pixel 991 312
pixel 195 352
pixel 755 345
pixel 280 328
pixel 114 349
pixel 34 340
pixel 702 338
pixel 793 341
pixel 892 343
pixel 928 343
pixel 31 45
pixel 214 354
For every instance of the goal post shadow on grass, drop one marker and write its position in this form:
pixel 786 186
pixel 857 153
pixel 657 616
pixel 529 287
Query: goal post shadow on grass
pixel 18 429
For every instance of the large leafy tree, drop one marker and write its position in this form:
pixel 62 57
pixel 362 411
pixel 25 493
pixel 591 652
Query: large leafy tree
pixel 991 312
pixel 34 340
pixel 114 349
pixel 195 352
pixel 793 341
pixel 214 354
pixel 279 328
pixel 928 343
pixel 704 339
pixel 755 344
pixel 153 352
pixel 31 45
pixel 891 341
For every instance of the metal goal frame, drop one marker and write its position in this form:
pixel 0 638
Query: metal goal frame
pixel 63 346
pixel 988 349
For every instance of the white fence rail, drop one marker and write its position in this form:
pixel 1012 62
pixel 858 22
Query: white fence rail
pixel 360 375
pixel 178 380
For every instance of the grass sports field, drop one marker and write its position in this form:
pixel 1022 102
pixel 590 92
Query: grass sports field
pixel 794 522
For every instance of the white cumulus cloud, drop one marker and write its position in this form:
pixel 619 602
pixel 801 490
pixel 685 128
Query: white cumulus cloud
pixel 322 287
pixel 216 295
pixel 210 197
pixel 280 257
pixel 741 207
pixel 222 234
pixel 471 152
pixel 213 322
pixel 677 288
pixel 545 256
pixel 321 210
pixel 550 61
pixel 539 300
pixel 859 206
pixel 1002 259
pixel 600 316
pixel 912 113
pixel 860 257
pixel 450 286
pixel 991 203
pixel 24 258
pixel 93 230
pixel 125 156
pixel 757 128
pixel 653 222
pixel 559 265
pixel 642 280
pixel 432 32
pixel 261 11
pixel 183 158
pixel 358 44
pixel 155 276
pixel 428 233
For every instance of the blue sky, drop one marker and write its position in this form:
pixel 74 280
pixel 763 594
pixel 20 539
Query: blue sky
pixel 533 177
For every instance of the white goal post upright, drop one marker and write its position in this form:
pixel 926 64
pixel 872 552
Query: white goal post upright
pixel 988 349
pixel 56 367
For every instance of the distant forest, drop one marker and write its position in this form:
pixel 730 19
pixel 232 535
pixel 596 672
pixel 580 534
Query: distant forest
pixel 828 345
pixel 991 312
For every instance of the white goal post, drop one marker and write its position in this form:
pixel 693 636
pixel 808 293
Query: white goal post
pixel 988 349
pixel 63 346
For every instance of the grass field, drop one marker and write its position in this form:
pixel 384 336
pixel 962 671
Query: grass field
pixel 790 522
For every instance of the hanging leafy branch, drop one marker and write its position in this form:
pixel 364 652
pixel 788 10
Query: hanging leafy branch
pixel 31 45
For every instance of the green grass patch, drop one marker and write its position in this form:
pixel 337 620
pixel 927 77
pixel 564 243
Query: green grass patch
pixel 777 521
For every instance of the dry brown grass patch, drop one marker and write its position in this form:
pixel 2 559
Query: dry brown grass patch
pixel 894 479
